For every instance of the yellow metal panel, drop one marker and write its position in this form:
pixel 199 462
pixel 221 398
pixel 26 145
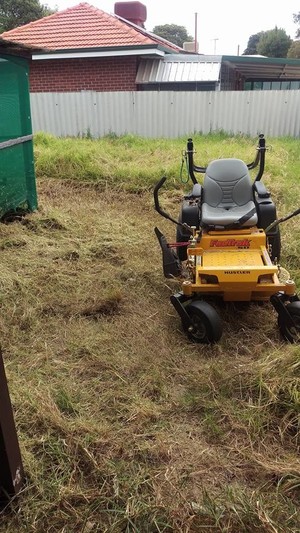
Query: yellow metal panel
pixel 230 258
pixel 238 239
pixel 233 264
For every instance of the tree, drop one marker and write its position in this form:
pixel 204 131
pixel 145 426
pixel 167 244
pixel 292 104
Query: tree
pixel 274 43
pixel 252 44
pixel 15 13
pixel 297 21
pixel 173 33
pixel 294 50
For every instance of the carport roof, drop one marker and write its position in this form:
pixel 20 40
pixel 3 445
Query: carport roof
pixel 258 67
pixel 179 68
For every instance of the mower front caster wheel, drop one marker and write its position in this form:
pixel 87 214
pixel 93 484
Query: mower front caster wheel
pixel 206 325
pixel 291 333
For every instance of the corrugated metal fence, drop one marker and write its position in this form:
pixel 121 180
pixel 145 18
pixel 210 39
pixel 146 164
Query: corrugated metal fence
pixel 168 114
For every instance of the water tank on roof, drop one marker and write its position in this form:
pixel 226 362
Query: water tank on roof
pixel 135 12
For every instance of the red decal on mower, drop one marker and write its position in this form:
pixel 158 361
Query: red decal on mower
pixel 237 243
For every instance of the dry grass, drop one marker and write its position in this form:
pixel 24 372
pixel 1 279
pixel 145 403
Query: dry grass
pixel 124 425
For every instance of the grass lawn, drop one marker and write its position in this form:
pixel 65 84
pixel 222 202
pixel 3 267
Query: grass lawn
pixel 124 425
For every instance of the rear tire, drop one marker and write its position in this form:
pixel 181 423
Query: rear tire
pixel 206 325
pixel 291 333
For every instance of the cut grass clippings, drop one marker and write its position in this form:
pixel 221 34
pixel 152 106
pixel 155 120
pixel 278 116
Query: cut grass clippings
pixel 124 425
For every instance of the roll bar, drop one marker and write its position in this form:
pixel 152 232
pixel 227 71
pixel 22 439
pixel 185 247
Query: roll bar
pixel 259 159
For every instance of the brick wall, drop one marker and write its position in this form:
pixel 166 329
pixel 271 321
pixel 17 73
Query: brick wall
pixel 71 75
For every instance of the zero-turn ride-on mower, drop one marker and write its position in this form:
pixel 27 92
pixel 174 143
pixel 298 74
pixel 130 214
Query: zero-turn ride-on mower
pixel 227 246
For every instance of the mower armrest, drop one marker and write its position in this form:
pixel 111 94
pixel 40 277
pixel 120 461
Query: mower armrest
pixel 196 192
pixel 261 190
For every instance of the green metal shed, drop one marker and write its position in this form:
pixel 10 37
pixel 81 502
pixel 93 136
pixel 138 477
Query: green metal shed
pixel 17 173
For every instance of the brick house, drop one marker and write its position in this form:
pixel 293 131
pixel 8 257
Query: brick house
pixel 85 49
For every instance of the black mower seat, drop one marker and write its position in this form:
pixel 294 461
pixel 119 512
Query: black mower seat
pixel 228 195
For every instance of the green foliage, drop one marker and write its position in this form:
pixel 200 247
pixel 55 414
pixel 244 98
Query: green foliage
pixel 274 43
pixel 294 50
pixel 128 162
pixel 135 164
pixel 14 13
pixel 252 44
pixel 297 21
pixel 173 33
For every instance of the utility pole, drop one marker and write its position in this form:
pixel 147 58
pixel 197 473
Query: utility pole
pixel 215 45
pixel 196 31
pixel 11 468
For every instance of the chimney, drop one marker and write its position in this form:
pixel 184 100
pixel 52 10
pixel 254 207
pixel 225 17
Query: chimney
pixel 191 46
pixel 134 12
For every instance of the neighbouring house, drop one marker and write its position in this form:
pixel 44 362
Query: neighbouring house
pixel 85 49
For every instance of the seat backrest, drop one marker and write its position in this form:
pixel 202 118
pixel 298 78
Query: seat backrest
pixel 227 183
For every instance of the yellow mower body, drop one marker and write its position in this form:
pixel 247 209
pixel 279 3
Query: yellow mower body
pixel 235 265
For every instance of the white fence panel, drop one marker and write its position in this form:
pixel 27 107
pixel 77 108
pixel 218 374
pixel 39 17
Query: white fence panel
pixel 167 113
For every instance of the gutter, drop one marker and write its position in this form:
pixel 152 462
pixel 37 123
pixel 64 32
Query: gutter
pixel 108 53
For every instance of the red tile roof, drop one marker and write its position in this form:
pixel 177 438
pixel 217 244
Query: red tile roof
pixel 83 27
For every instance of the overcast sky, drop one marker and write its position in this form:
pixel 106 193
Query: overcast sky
pixel 223 26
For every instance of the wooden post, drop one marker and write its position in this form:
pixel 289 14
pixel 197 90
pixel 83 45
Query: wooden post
pixel 11 468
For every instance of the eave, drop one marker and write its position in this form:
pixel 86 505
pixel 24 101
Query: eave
pixel 146 51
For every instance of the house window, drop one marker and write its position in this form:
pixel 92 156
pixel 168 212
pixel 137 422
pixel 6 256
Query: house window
pixel 258 85
pixel 276 85
pixel 295 84
pixel 267 85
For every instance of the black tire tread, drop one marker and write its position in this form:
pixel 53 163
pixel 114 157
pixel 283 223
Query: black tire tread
pixel 209 317
pixel 294 309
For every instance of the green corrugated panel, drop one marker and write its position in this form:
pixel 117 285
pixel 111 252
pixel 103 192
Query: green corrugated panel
pixel 17 175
